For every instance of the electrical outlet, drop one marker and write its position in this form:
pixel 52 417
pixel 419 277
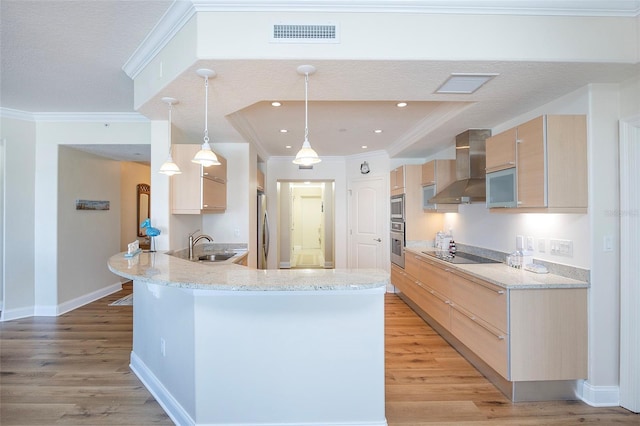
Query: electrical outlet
pixel 519 242
pixel 163 347
pixel 542 245
pixel 530 244
pixel 236 231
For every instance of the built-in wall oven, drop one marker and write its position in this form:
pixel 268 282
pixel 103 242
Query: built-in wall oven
pixel 397 208
pixel 397 243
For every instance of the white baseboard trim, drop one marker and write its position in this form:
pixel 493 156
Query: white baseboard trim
pixel 172 407
pixel 55 310
pixel 13 314
pixel 285 265
pixel 599 396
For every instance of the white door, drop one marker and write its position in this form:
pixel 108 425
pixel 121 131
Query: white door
pixel 311 222
pixel 367 224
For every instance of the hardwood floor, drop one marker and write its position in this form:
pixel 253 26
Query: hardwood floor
pixel 73 369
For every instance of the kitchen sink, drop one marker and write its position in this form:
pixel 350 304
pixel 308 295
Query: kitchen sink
pixel 215 257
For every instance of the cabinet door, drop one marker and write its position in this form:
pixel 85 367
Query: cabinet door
pixel 532 190
pixel 217 173
pixel 501 151
pixel 214 195
pixel 487 343
pixel 260 180
pixel 481 298
pixel 567 161
pixel 396 181
pixel 436 277
pixel 186 190
pixel 429 173
pixel 445 173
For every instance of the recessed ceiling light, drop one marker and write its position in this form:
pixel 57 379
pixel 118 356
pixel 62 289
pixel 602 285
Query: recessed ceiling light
pixel 288 146
pixel 276 104
pixel 364 147
pixel 464 83
pixel 377 131
pixel 283 130
pixel 401 104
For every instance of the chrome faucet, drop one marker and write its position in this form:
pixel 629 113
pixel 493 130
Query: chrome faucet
pixel 193 241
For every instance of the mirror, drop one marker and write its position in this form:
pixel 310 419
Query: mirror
pixel 144 206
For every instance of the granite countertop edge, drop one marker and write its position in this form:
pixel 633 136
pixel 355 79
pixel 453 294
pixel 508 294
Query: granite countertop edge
pixel 504 276
pixel 172 271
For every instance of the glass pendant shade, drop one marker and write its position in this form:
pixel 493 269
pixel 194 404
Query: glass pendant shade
pixel 306 156
pixel 206 156
pixel 169 168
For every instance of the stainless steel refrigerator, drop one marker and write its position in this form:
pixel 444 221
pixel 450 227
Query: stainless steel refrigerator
pixel 263 231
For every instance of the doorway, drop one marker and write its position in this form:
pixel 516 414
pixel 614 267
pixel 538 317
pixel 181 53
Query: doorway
pixel 305 210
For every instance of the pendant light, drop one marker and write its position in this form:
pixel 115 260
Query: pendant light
pixel 306 156
pixel 170 168
pixel 206 156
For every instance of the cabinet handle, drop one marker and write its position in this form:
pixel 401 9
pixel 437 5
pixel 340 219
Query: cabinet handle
pixel 377 239
pixel 497 166
pixel 475 321
pixel 480 283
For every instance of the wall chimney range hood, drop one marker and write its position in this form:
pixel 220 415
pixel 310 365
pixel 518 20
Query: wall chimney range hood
pixel 470 186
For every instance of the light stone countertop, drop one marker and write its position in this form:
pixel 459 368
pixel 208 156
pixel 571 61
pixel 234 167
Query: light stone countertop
pixel 504 276
pixel 161 268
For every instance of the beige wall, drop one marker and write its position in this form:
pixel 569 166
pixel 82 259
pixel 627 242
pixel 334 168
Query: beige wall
pixel 131 175
pixel 86 239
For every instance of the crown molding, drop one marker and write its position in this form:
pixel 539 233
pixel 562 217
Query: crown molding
pixel 167 27
pixel 83 117
pixel 629 8
pixel 16 114
pixel 91 117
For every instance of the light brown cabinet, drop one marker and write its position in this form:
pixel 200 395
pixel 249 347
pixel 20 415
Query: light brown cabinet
pixel 522 334
pixel 197 189
pixel 396 180
pixel 260 180
pixel 439 172
pixel 549 154
pixel 437 175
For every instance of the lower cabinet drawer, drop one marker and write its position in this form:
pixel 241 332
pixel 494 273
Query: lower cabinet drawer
pixel 489 344
pixel 434 304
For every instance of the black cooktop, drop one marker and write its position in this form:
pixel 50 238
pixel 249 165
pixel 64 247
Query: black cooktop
pixel 459 257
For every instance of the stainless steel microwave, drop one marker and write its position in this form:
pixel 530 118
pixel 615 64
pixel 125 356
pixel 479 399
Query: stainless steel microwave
pixel 502 188
pixel 397 208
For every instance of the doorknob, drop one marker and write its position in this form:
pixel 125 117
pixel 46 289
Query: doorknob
pixel 377 239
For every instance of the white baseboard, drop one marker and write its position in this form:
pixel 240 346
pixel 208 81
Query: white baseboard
pixel 285 265
pixel 55 310
pixel 13 314
pixel 600 396
pixel 172 407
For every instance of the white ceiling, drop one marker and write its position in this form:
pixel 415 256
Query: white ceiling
pixel 67 56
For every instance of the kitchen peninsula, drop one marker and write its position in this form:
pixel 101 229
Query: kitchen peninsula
pixel 225 344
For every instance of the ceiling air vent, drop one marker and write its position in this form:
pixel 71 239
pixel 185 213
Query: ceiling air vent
pixel 305 33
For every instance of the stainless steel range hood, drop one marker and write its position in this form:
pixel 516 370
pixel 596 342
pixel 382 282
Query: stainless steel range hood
pixel 470 186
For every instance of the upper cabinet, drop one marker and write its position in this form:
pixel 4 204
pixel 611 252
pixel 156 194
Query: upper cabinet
pixel 549 157
pixel 260 180
pixel 197 189
pixel 437 175
pixel 396 180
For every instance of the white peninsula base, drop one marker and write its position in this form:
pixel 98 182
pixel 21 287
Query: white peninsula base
pixel 261 357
